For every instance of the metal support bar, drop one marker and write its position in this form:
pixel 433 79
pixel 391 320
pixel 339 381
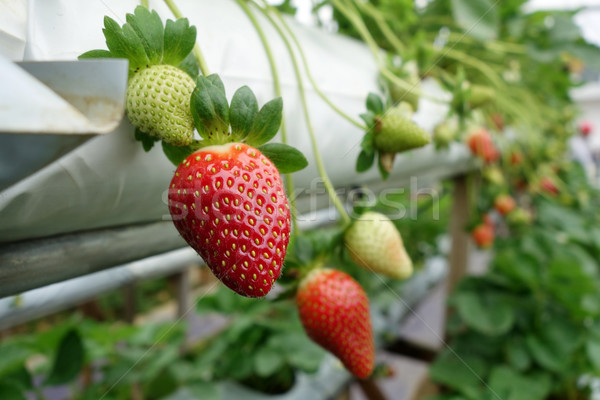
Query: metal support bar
pixel 34 263
pixel 59 296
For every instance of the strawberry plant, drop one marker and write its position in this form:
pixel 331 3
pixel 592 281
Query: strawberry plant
pixel 528 328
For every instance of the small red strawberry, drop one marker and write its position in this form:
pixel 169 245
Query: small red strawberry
pixel 481 144
pixel 228 203
pixel 483 235
pixel 586 127
pixel 516 158
pixel 334 310
pixel 504 204
pixel 548 186
pixel 375 244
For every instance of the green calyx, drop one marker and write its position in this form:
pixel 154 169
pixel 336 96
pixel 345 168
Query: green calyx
pixel 219 122
pixel 390 131
pixel 144 41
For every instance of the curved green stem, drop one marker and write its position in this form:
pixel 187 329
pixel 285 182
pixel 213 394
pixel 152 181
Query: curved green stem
pixel 318 159
pixel 197 52
pixel 144 3
pixel 289 180
pixel 484 68
pixel 354 17
pixel 322 95
pixel 383 26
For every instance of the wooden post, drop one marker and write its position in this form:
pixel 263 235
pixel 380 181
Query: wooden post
pixel 129 301
pixel 458 257
pixel 181 283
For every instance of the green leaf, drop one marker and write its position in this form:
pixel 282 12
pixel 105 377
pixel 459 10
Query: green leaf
pixel 267 361
pixel 179 41
pixel 517 355
pixel 147 140
pixel 487 313
pixel 463 373
pixel 210 109
pixel 11 390
pixel 13 357
pixel 96 54
pixel 190 66
pixel 124 43
pixel 375 104
pixel 303 249
pixel 149 28
pixel 242 112
pixel 479 18
pixel 197 391
pixel 176 154
pixel 507 384
pixel 365 160
pixel 266 124
pixel 161 385
pixel 544 354
pixel 369 118
pixel 286 158
pixel 69 359
pixel 592 349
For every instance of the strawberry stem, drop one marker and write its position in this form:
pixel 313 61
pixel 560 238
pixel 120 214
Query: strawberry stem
pixel 354 17
pixel 318 159
pixel 197 52
pixel 289 180
pixel 308 73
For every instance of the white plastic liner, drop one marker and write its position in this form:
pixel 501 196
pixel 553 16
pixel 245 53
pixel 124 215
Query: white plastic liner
pixel 109 180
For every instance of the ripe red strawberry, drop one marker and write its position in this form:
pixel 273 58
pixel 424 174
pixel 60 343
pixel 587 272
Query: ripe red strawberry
pixel 334 310
pixel 481 144
pixel 504 204
pixel 548 186
pixel 516 158
pixel 374 243
pixel 228 203
pixel 483 235
pixel 585 127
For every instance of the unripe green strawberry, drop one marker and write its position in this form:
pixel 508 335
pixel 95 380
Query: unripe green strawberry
pixel 519 216
pixel 158 103
pixel 395 132
pixel 228 203
pixel 444 133
pixel 480 95
pixel 374 243
pixel 334 310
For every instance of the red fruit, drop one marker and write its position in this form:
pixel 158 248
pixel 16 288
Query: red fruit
pixel 483 235
pixel 228 203
pixel 334 310
pixel 481 144
pixel 504 204
pixel 586 127
pixel 516 158
pixel 548 186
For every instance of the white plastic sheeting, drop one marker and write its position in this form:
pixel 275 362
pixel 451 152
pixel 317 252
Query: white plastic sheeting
pixel 109 180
